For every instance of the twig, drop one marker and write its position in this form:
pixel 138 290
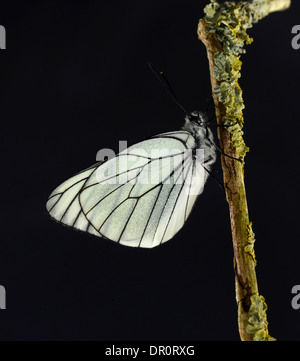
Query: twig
pixel 223 32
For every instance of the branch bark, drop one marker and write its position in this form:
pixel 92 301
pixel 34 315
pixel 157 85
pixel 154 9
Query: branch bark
pixel 251 306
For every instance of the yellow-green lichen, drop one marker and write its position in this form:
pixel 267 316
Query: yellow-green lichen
pixel 229 22
pixel 249 248
pixel 257 321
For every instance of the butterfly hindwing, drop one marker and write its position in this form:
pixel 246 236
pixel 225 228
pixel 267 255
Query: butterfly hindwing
pixel 140 198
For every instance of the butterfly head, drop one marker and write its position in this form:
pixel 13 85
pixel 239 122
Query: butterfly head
pixel 197 124
pixel 197 117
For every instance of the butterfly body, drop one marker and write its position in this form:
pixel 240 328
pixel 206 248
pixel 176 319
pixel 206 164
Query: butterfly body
pixel 197 125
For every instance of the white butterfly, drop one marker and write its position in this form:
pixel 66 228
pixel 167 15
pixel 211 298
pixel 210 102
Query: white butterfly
pixel 143 196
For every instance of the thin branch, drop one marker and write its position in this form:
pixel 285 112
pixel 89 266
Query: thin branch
pixel 223 32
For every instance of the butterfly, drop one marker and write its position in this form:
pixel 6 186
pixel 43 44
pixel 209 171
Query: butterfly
pixel 143 196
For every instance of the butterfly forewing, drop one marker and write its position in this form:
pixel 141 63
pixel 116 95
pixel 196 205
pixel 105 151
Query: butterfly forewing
pixel 140 198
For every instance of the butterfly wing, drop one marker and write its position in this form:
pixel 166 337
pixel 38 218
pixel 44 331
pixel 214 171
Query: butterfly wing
pixel 140 198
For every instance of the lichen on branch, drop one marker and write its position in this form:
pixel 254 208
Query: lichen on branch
pixel 229 22
pixel 257 322
pixel 224 33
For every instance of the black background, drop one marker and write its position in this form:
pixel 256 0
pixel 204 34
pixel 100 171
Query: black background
pixel 74 79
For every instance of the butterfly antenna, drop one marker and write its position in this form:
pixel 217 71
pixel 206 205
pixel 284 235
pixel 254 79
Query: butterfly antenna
pixel 167 86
